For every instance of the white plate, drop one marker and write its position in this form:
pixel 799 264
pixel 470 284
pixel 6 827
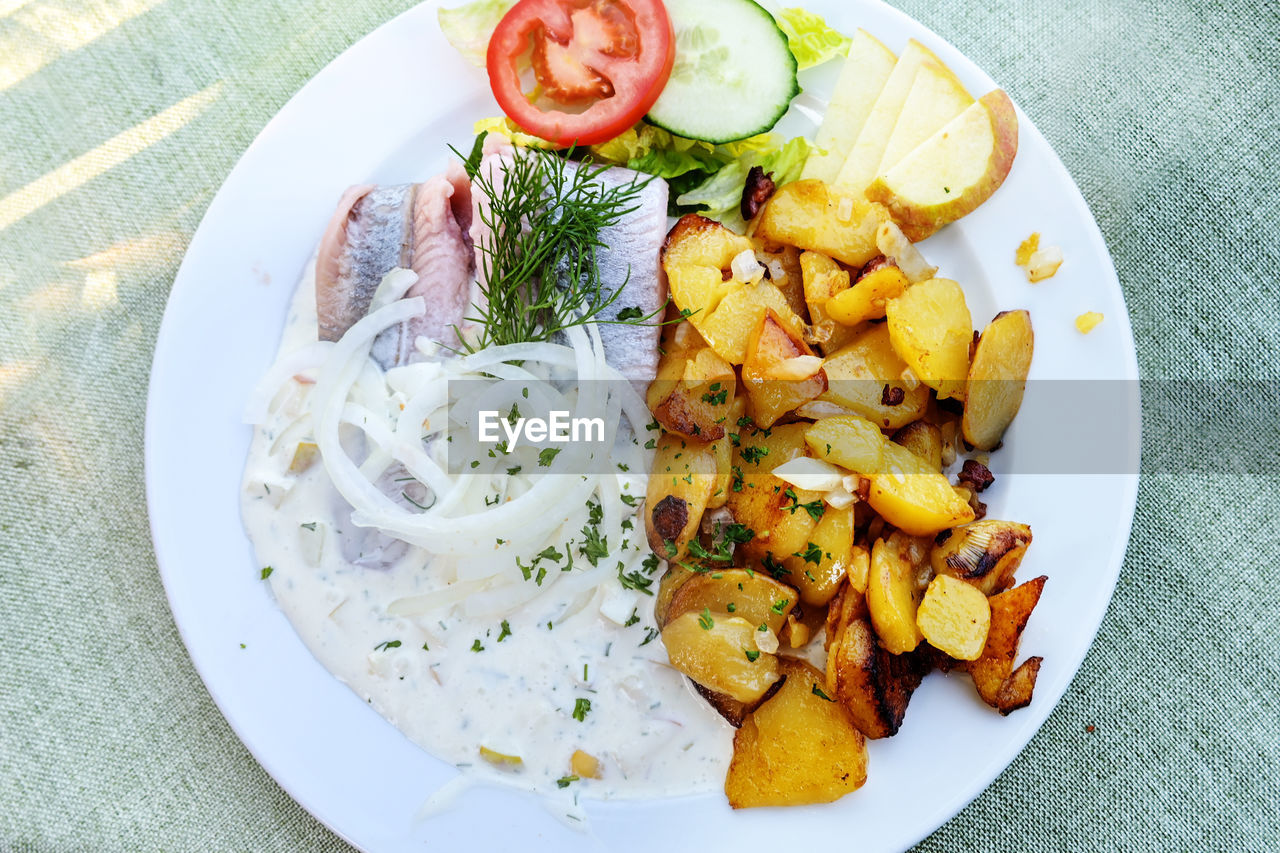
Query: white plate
pixel 383 111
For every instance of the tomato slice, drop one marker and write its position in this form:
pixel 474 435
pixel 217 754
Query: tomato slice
pixel 608 59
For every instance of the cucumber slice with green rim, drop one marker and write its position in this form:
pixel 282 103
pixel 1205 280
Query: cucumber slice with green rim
pixel 734 74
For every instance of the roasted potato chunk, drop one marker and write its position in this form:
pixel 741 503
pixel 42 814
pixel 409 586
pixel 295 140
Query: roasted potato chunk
pixel 866 377
pixel 873 685
pixel 997 378
pixel 993 669
pixel 867 298
pixel 797 748
pixel 828 557
pixel 779 372
pixel 680 485
pixel 954 617
pixel 719 652
pixel 697 257
pixel 911 495
pixel 893 591
pixel 924 440
pixel 813 216
pixel 985 553
pixel 765 503
pixel 685 395
pixel 783 264
pixel 930 327
pixel 673 578
pixel 905 490
pixel 1016 691
pixel 759 599
pixel 823 280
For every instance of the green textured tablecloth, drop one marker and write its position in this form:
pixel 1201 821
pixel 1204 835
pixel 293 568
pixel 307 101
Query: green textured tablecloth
pixel 119 119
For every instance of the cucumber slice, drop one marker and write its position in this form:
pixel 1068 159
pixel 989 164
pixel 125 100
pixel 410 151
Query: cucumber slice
pixel 734 74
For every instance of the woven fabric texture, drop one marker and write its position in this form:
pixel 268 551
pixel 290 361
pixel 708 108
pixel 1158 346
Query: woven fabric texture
pixel 119 119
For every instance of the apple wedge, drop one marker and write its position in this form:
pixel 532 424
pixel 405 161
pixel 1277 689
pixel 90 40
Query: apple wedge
pixel 952 172
pixel 936 97
pixel 862 76
pixel 866 152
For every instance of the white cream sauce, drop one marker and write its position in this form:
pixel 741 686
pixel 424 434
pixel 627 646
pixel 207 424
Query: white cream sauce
pixel 450 680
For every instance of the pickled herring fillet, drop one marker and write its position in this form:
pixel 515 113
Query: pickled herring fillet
pixel 628 261
pixel 629 265
pixel 376 229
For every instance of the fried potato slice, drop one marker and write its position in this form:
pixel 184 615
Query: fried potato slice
pixel 681 483
pixel 865 376
pixel 930 326
pixel 997 378
pixel 779 372
pixel 924 440
pixel 753 596
pixel 954 617
pixel 993 669
pixel 893 595
pixel 813 216
pixel 685 396
pixel 873 685
pixel 719 652
pixel 799 747
pixel 761 501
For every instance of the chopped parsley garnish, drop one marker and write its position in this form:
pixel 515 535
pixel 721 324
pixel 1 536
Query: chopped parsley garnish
pixel 774 568
pixel 705 622
pixel 546 456
pixel 815 508
pixel 266 573
pixel 716 395
pixel 751 656
pixel 390 644
pixel 594 547
pixel 811 554
pixel 737 479
pixel 631 312
pixel 754 454
pixel 633 619
pixel 506 631
pixel 780 605
pixel 629 500
pixel 580 709
pixel 650 634
pixel 634 580
pixel 650 444
pixel 817 691
pixel 566 781
pixel 650 563
pixel 476 647
pixel 310 525
pixel 512 471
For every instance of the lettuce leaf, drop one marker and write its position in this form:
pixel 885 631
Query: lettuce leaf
pixel 720 196
pixel 469 27
pixel 702 176
pixel 812 41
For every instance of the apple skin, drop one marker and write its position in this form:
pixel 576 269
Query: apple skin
pixel 919 220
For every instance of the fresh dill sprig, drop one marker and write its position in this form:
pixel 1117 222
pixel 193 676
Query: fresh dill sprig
pixel 538 266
